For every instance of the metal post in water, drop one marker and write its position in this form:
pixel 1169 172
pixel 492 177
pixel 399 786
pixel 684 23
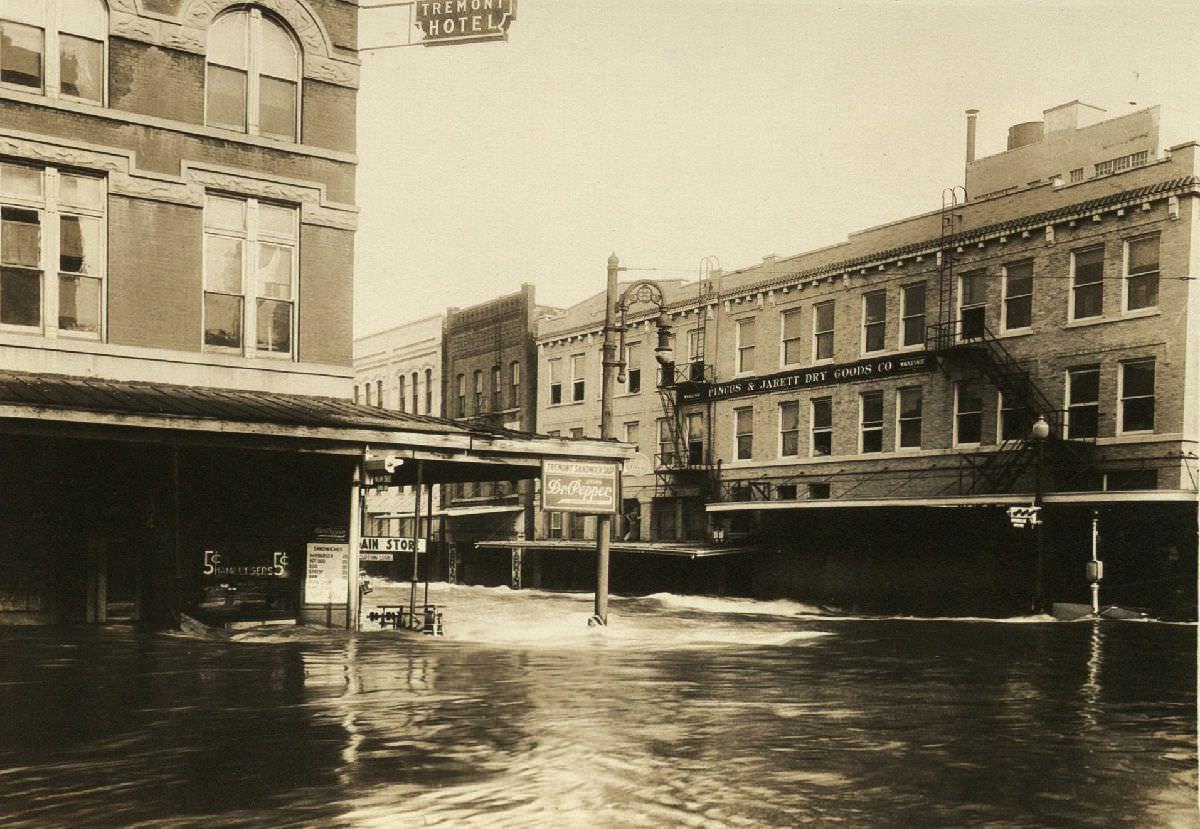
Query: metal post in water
pixel 412 602
pixel 428 539
pixel 609 362
pixel 1095 573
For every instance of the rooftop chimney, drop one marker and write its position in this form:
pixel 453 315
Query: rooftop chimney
pixel 971 113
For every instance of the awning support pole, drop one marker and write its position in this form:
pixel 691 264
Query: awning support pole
pixel 412 602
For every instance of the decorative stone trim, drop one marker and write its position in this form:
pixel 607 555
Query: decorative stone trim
pixel 124 179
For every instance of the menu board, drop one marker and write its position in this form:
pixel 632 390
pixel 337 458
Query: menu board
pixel 326 575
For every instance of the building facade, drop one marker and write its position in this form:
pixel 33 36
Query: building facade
pixel 865 413
pixel 401 368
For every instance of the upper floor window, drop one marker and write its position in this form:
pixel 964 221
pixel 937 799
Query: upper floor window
pixel 744 433
pixel 792 337
pixel 821 427
pixel 379 393
pixel 870 421
pixel 250 274
pixel 460 386
pixel 253 75
pixel 968 413
pixel 823 330
pixel 972 304
pixel 874 320
pixel 1141 273
pixel 1083 402
pixel 745 344
pixel 1018 296
pixel 478 391
pixel 1137 396
pixel 55 47
pixel 514 388
pixel 912 315
pixel 428 393
pixel 633 368
pixel 52 251
pixel 401 396
pixel 789 428
pixel 1087 282
pixel 578 379
pixel 908 418
pixel 416 396
pixel 497 389
pixel 555 366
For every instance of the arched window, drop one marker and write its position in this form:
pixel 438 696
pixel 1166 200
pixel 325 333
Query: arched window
pixel 428 391
pixel 55 47
pixel 253 75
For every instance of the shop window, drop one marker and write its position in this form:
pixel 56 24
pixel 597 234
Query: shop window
pixel 746 333
pixel 1018 296
pixel 1087 282
pixel 874 320
pixel 1083 402
pixel 1015 421
pixel 50 218
pixel 972 304
pixel 823 330
pixel 633 368
pixel 428 393
pixel 578 378
pixel 1141 273
pixel 253 75
pixel 968 414
pixel 789 429
pixel 250 273
pixel 555 366
pixel 400 384
pixel 56 47
pixel 821 431
pixel 1137 396
pixel 870 421
pixel 912 314
pixel 744 433
pixel 908 418
pixel 514 387
pixel 792 337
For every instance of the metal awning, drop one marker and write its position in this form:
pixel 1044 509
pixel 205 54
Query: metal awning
pixel 652 548
pixel 481 509
pixel 1001 500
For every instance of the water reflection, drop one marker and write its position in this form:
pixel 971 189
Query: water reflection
pixel 686 712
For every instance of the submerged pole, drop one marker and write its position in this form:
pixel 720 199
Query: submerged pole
pixel 412 602
pixel 609 362
pixel 1094 572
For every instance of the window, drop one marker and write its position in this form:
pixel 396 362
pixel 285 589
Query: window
pixel 553 433
pixel 1087 282
pixel 514 388
pixel 744 432
pixel 249 274
pixel 555 381
pixel 49 217
pixel 55 46
pixel 1015 421
pixel 253 75
pixel 379 393
pixel 968 413
pixel 631 434
pixel 908 418
pixel 555 528
pixel 367 392
pixel 428 393
pixel 416 379
pixel 792 336
pixel 695 350
pixel 972 304
pixel 578 381
pixel 745 344
pixel 1083 402
pixel 666 443
pixel 497 389
pixel 874 320
pixel 577 432
pixel 1077 175
pixel 695 438
pixel 478 391
pixel 356 393
pixel 460 388
pixel 1137 396
pixel 821 429
pixel 633 370
pixel 870 421
pixel 823 331
pixel 912 315
pixel 401 387
pixel 1018 296
pixel 1141 273
pixel 1123 162
pixel 789 429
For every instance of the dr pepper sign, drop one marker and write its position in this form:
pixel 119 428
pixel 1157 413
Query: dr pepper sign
pixel 579 486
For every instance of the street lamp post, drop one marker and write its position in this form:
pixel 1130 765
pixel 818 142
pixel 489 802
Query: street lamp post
pixel 1038 432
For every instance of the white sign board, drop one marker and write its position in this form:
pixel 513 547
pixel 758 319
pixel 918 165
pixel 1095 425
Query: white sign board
pixel 374 556
pixel 326 576
pixel 386 544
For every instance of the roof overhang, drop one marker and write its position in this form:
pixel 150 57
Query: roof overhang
pixel 1002 500
pixel 653 548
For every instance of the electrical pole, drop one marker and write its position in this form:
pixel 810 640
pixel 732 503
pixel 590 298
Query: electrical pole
pixel 610 360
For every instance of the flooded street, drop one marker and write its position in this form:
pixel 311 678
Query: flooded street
pixel 685 712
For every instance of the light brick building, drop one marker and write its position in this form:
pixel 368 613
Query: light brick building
pixel 865 410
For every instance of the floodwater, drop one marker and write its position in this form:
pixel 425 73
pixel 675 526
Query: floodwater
pixel 685 712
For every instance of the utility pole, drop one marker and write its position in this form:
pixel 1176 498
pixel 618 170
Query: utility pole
pixel 610 361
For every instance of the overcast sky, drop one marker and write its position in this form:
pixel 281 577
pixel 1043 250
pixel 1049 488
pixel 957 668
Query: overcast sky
pixel 670 130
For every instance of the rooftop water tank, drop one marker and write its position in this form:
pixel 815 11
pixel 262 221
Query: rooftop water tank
pixel 1029 132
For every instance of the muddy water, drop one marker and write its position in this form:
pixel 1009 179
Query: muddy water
pixel 685 712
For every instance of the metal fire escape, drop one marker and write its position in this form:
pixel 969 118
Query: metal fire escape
pixel 683 464
pixel 964 341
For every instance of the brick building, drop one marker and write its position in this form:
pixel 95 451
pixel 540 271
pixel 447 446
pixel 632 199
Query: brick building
pixel 863 412
pixel 177 187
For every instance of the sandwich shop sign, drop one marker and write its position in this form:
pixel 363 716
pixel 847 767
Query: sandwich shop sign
pixel 579 486
pixel 464 21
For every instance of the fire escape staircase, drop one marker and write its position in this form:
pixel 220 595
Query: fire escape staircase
pixel 681 465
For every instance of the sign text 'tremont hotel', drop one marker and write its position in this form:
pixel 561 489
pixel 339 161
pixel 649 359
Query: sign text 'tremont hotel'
pixel 464 21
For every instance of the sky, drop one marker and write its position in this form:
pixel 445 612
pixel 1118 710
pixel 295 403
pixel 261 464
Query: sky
pixel 670 130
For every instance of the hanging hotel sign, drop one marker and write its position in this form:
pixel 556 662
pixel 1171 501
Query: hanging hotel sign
pixel 464 21
pixel 801 378
pixel 579 486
